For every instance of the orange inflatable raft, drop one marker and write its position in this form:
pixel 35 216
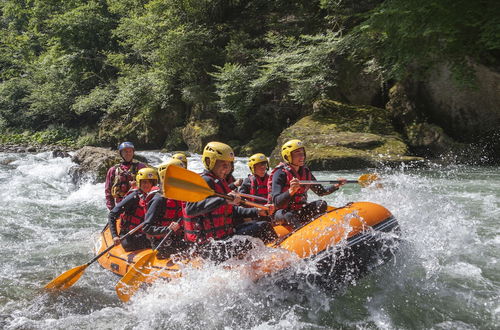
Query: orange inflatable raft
pixel 347 240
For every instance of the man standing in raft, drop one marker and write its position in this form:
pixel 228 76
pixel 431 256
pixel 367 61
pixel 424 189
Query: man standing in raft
pixel 164 214
pixel 120 176
pixel 212 220
pixel 288 195
pixel 131 211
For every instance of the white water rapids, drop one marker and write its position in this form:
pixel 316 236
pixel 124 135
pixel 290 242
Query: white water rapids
pixel 446 274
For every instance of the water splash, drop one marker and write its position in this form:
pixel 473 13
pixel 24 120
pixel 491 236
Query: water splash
pixel 445 274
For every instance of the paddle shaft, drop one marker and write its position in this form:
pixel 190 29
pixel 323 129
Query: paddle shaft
pixel 113 245
pixel 252 196
pixel 167 235
pixel 248 203
pixel 326 182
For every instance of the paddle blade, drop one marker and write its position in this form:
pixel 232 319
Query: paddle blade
pixel 185 185
pixel 128 285
pixel 366 179
pixel 66 279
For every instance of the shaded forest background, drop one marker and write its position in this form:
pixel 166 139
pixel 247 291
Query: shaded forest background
pixel 157 72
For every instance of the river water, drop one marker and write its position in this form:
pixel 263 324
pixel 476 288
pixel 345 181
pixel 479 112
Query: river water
pixel 445 274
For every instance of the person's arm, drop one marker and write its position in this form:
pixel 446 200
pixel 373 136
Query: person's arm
pixel 124 206
pixel 207 205
pixel 245 186
pixel 110 177
pixel 156 209
pixel 244 212
pixel 322 191
pixel 279 199
pixel 234 185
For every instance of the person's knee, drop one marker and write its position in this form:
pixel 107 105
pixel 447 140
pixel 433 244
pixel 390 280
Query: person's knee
pixel 322 206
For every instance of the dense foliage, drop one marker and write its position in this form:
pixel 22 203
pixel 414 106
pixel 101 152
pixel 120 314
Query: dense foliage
pixel 141 70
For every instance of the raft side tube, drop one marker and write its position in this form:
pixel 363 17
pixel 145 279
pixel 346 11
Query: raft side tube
pixel 352 224
pixel 336 225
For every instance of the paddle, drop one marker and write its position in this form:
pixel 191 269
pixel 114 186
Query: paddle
pixel 68 278
pixel 364 180
pixel 252 196
pixel 128 285
pixel 184 185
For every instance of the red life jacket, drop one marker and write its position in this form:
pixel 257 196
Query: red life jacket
pixel 217 224
pixel 133 218
pixel 258 186
pixel 122 178
pixel 173 211
pixel 300 198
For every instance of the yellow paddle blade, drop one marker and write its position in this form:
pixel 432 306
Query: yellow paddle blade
pixel 128 285
pixel 185 185
pixel 366 179
pixel 66 279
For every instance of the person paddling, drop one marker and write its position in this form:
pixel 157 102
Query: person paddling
pixel 120 177
pixel 164 214
pixel 286 193
pixel 131 211
pixel 212 220
pixel 256 182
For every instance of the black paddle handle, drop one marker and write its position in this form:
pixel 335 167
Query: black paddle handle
pixel 113 245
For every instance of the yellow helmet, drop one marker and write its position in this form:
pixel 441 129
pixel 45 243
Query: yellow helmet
pixel 182 158
pixel 216 151
pixel 289 147
pixel 255 159
pixel 147 173
pixel 162 168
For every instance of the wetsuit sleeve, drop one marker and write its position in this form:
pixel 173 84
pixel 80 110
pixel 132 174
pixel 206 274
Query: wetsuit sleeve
pixel 110 177
pixel 156 209
pixel 245 186
pixel 245 212
pixel 207 205
pixel 141 166
pixel 320 190
pixel 125 205
pixel 279 199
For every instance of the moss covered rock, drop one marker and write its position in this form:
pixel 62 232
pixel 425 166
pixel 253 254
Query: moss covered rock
pixel 196 134
pixel 339 136
pixel 262 141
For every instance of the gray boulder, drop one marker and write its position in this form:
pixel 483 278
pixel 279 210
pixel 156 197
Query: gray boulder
pixel 92 163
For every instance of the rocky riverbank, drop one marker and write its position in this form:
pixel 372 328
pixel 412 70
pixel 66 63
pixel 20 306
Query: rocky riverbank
pixel 57 150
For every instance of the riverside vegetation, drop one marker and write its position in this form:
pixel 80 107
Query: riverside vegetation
pixel 175 74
